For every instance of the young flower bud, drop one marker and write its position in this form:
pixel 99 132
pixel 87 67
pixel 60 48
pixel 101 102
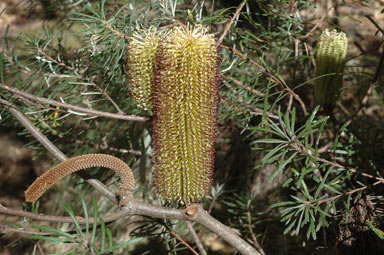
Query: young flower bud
pixel 185 114
pixel 141 66
pixel 330 60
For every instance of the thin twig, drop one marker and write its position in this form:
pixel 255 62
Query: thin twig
pixel 302 149
pixel 347 193
pixel 371 87
pixel 231 22
pixel 54 60
pixel 254 110
pixel 196 238
pixel 315 26
pixel 257 244
pixel 55 151
pixel 79 75
pixel 183 242
pixel 103 147
pixel 109 98
pixel 23 231
pixel 59 219
pixel 131 208
pixel 82 110
pixel 117 32
pixel 240 84
pixel 273 77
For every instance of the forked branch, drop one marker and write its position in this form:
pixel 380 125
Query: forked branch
pixel 193 213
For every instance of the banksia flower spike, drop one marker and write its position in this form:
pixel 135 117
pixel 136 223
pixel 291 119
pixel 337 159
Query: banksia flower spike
pixel 141 66
pixel 185 114
pixel 330 61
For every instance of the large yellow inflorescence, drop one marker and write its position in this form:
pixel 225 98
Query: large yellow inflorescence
pixel 185 112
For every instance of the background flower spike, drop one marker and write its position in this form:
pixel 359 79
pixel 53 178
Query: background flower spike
pixel 141 61
pixel 330 61
pixel 185 114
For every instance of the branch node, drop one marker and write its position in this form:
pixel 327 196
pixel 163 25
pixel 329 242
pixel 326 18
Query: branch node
pixel 191 211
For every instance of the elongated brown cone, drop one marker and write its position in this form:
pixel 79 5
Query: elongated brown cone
pixel 185 114
pixel 59 171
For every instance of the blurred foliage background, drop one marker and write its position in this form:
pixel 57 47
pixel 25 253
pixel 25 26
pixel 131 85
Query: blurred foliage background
pixel 289 176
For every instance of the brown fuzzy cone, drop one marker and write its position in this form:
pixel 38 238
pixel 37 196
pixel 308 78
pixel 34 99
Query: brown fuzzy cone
pixel 59 171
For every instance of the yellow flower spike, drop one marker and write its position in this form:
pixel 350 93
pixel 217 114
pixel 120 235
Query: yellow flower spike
pixel 141 66
pixel 330 61
pixel 185 114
